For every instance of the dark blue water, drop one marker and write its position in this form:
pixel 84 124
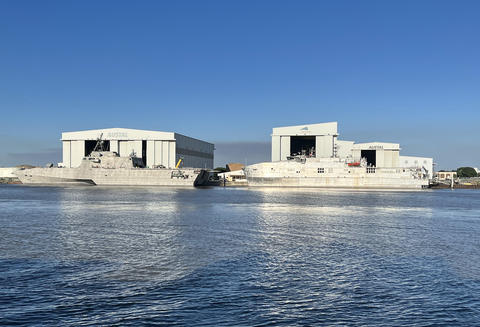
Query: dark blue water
pixel 237 257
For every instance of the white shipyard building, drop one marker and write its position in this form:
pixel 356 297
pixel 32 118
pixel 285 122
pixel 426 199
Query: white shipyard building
pixel 313 156
pixel 155 148
pixel 321 141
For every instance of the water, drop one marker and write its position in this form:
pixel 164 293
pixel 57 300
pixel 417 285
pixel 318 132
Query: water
pixel 79 256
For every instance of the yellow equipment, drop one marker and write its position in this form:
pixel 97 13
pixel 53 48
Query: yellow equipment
pixel 178 163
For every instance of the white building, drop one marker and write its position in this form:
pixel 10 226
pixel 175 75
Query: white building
pixel 154 147
pixel 233 175
pixel 378 154
pixel 446 175
pixel 290 140
pixel 418 162
pixel 321 141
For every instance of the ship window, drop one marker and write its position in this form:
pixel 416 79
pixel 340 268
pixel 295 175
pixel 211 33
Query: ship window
pixel 298 171
pixel 321 170
pixel 370 170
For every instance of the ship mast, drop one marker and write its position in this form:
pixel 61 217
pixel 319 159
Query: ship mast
pixel 100 144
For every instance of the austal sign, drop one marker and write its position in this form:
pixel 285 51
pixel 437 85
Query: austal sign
pixel 115 135
pixel 376 147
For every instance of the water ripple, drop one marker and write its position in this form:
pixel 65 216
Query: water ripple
pixel 236 257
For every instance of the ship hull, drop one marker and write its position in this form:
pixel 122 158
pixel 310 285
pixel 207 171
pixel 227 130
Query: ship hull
pixel 336 182
pixel 104 176
pixel 332 173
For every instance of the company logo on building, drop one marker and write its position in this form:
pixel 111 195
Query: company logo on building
pixel 117 135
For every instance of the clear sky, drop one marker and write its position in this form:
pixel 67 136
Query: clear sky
pixel 227 72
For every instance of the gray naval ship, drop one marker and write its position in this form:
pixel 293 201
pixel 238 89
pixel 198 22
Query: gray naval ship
pixel 108 168
pixel 304 171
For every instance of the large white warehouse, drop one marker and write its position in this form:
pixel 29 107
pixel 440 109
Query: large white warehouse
pixel 154 147
pixel 321 141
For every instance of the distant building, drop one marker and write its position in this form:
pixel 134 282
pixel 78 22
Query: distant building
pixel 232 176
pixel 234 166
pixel 446 175
pixel 154 147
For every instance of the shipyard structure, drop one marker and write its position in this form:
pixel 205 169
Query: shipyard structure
pixel 154 148
pixel 321 141
pixel 121 156
pixel 313 156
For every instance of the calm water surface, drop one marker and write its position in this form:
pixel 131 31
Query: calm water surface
pixel 74 256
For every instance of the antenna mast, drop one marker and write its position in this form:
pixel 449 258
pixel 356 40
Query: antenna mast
pixel 100 144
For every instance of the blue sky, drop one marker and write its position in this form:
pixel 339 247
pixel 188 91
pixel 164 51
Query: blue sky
pixel 227 72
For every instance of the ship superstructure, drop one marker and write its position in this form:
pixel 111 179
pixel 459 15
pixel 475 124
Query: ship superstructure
pixel 303 171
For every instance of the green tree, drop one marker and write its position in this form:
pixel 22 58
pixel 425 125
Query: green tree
pixel 466 172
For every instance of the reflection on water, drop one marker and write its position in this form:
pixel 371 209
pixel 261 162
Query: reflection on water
pixel 79 255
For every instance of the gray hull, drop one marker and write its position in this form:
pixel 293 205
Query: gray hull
pixel 332 173
pixel 103 176
pixel 335 182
